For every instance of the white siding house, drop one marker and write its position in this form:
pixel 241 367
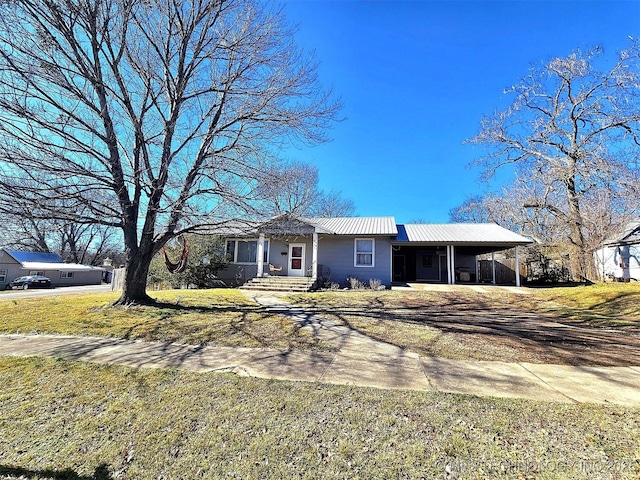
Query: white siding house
pixel 619 258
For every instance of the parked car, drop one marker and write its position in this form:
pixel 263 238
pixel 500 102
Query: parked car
pixel 30 281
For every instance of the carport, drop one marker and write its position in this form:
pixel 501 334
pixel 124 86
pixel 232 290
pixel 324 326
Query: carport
pixel 447 253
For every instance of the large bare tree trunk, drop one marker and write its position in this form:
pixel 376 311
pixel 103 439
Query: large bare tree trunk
pixel 135 285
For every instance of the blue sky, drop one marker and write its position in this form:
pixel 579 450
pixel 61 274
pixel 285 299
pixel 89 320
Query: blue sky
pixel 416 77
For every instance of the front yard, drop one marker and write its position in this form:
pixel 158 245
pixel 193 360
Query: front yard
pixel 69 420
pixel 597 325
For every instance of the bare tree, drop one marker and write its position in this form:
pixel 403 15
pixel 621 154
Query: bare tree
pixel 572 130
pixel 293 188
pixel 78 243
pixel 155 117
pixel 474 209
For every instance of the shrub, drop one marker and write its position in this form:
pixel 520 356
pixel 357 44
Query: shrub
pixel 355 284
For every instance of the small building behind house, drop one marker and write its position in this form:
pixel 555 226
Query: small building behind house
pixel 14 264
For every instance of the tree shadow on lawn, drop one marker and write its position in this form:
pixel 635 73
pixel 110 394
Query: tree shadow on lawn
pixel 480 327
pixel 100 473
pixel 242 325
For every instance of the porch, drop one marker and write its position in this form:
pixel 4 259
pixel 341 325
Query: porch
pixel 451 264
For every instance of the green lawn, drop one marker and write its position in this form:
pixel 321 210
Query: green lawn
pixel 68 420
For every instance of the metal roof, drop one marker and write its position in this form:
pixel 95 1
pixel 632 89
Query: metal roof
pixel 459 234
pixel 62 267
pixel 357 225
pixel 629 236
pixel 35 256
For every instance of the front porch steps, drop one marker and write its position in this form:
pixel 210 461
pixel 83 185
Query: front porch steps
pixel 275 283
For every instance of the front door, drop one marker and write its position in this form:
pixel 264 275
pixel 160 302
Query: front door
pixel 399 268
pixel 296 259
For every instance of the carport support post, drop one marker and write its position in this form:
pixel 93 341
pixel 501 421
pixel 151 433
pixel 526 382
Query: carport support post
pixel 493 268
pixel 451 274
pixel 260 255
pixel 314 258
pixel 517 268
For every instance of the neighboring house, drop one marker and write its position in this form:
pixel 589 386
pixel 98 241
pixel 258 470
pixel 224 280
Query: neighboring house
pixel 619 259
pixel 15 264
pixel 366 248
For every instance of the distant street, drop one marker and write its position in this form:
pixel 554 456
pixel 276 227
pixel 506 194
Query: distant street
pixel 15 294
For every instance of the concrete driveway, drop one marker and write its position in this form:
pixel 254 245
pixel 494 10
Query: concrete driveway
pixel 14 294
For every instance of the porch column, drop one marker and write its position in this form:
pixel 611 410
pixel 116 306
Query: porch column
pixel 451 274
pixel 517 268
pixel 493 268
pixel 314 258
pixel 260 255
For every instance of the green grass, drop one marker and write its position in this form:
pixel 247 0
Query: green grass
pixel 222 317
pixel 606 304
pixel 67 420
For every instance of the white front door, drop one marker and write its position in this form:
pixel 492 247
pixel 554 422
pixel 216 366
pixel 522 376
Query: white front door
pixel 296 259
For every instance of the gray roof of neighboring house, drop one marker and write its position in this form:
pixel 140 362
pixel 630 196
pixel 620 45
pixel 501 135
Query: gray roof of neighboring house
pixel 357 225
pixel 459 234
pixel 630 236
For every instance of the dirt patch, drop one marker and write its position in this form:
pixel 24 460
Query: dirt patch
pixel 519 336
pixel 474 325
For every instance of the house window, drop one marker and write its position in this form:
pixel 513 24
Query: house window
pixel 3 275
pixel 36 273
pixel 245 251
pixel 231 250
pixel 66 274
pixel 364 252
pixel 427 261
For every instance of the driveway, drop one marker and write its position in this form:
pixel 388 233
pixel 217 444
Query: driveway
pixel 14 294
pixel 485 323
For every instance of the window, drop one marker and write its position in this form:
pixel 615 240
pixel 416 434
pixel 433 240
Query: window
pixel 245 251
pixel 36 273
pixel 364 252
pixel 427 261
pixel 66 274
pixel 3 275
pixel 231 250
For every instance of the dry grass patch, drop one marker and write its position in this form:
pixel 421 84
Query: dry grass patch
pixel 67 420
pixel 218 317
pixel 560 325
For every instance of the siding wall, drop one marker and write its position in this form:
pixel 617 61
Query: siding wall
pixel 93 277
pixel 337 253
pixel 609 260
pixel 334 252
pixel 13 269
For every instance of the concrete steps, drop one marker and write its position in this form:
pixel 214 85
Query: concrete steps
pixel 275 283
